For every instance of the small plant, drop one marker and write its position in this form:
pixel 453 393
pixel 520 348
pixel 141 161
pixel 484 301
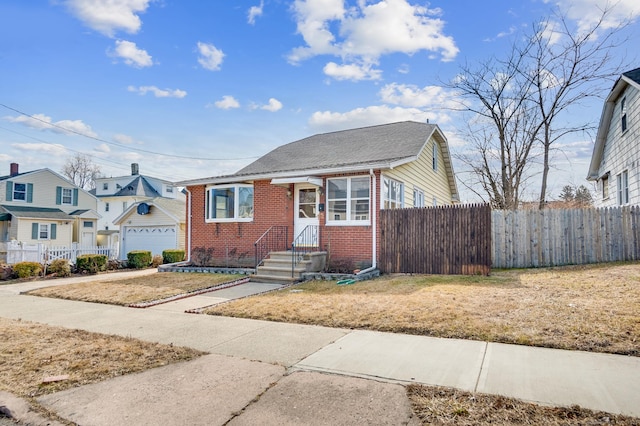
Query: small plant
pixel 91 263
pixel 60 267
pixel 172 256
pixel 114 265
pixel 6 272
pixel 156 261
pixel 139 259
pixel 27 269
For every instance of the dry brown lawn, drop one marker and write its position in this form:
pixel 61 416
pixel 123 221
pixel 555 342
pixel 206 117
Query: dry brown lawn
pixel 592 308
pixel 135 290
pixel 31 353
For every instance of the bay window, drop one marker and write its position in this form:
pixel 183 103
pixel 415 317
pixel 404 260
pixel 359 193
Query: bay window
pixel 229 203
pixel 348 201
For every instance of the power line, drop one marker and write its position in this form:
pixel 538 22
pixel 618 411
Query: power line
pixel 121 145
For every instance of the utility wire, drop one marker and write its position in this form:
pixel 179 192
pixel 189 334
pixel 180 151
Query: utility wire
pixel 120 145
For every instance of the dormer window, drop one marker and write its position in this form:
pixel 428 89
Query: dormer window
pixel 623 114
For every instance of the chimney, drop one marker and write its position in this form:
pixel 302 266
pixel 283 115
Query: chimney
pixel 135 171
pixel 13 169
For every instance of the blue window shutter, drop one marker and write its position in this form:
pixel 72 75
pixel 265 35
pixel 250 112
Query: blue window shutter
pixel 75 196
pixel 53 231
pixel 29 193
pixel 9 190
pixel 34 231
pixel 58 195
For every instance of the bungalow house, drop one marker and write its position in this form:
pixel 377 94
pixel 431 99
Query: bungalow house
pixel 42 207
pixel 615 162
pixel 324 191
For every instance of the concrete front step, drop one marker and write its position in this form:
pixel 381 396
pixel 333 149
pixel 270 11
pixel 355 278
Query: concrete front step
pixel 281 271
pixel 273 279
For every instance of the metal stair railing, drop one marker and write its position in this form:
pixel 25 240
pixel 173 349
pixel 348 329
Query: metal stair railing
pixel 274 239
pixel 307 241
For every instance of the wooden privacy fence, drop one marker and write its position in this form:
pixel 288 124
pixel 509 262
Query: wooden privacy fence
pixel 553 237
pixel 438 240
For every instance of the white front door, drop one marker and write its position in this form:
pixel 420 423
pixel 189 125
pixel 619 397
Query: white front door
pixel 88 239
pixel 306 212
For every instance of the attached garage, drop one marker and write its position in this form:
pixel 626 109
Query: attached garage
pixel 154 225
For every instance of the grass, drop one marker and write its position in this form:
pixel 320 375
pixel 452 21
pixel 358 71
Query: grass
pixel 591 308
pixel 30 353
pixel 135 290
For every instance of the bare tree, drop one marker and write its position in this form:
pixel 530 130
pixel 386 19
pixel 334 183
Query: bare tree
pixel 82 171
pixel 566 66
pixel 520 104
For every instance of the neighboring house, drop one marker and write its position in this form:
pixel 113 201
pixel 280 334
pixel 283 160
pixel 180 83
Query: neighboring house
pixel 334 184
pixel 117 194
pixel 41 206
pixel 615 163
pixel 155 225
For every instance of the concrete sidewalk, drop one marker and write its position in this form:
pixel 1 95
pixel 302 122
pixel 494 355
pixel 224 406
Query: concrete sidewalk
pixel 288 356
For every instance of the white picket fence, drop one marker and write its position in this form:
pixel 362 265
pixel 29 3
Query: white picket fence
pixel 22 252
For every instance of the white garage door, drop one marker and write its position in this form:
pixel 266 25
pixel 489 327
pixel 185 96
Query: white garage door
pixel 152 238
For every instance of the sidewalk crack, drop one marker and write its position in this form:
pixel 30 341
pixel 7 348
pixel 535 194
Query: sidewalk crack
pixel 484 356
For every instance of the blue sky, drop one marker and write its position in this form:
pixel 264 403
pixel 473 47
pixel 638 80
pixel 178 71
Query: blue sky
pixel 190 89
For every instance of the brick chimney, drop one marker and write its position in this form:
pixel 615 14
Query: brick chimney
pixel 134 169
pixel 13 169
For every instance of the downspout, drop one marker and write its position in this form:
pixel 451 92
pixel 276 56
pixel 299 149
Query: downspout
pixel 374 227
pixel 188 225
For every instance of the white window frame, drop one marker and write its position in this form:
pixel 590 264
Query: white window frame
pixel 386 197
pixel 349 199
pixel 623 188
pixel 87 224
pixel 66 196
pixel 209 205
pixel 418 197
pixel 605 187
pixel 44 228
pixel 105 186
pixel 623 115
pixel 106 207
pixel 23 192
pixel 434 156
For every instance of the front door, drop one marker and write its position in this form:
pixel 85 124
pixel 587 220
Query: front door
pixel 306 213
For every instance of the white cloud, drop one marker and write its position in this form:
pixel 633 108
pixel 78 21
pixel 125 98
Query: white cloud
pixel 254 12
pixel 273 105
pixel 586 13
pixel 327 121
pixel 54 149
pixel 44 122
pixel 158 93
pixel 227 102
pixel 408 95
pixel 107 17
pixel 104 148
pixel 131 55
pixel 355 34
pixel 210 56
pixel 352 72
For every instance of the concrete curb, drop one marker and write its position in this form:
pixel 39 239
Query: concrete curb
pixel 18 409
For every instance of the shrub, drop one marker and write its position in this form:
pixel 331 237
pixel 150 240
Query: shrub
pixel 27 269
pixel 91 263
pixel 172 256
pixel 6 272
pixel 139 259
pixel 156 261
pixel 60 267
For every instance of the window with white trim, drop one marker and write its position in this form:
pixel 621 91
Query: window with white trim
pixel 67 196
pixel 418 197
pixel 106 207
pixel 434 156
pixel 348 200
pixel 623 114
pixel 392 193
pixel 605 187
pixel 105 186
pixel 19 191
pixel 87 224
pixel 229 203
pixel 623 188
pixel 43 231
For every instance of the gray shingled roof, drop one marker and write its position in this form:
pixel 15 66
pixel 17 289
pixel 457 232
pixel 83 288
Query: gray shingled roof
pixel 633 75
pixel 137 187
pixel 176 208
pixel 367 145
pixel 36 212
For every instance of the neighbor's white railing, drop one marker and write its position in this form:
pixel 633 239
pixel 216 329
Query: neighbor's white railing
pixel 22 252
